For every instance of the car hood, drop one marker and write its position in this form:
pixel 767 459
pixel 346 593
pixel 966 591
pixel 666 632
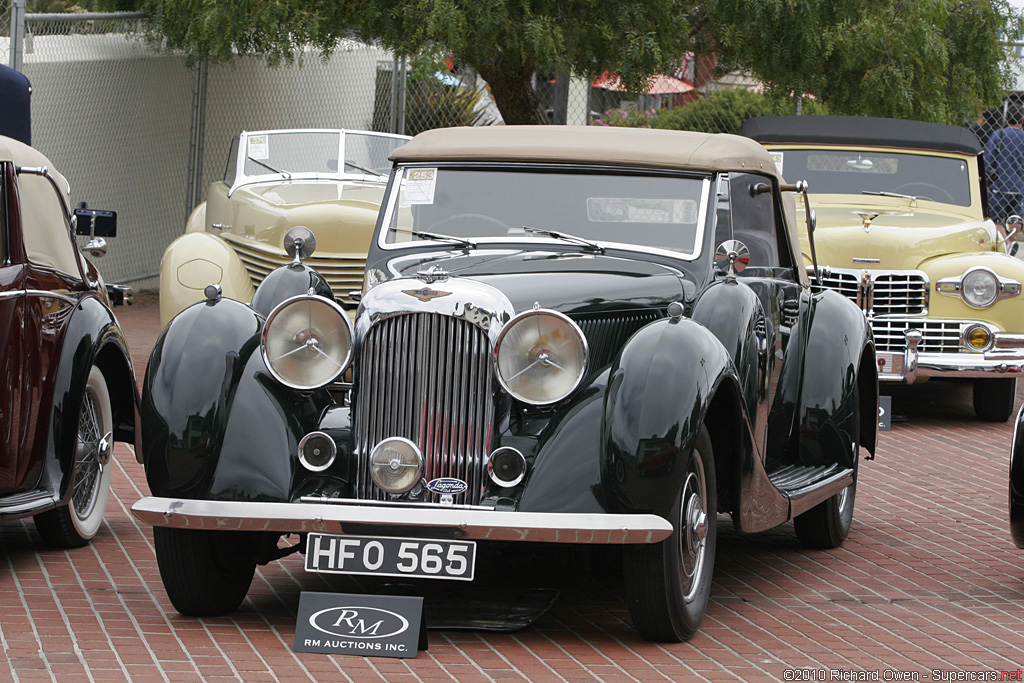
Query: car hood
pixel 340 213
pixel 567 282
pixel 901 238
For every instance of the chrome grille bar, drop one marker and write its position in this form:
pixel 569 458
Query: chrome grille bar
pixel 937 336
pixel 343 273
pixel 426 377
pixel 892 292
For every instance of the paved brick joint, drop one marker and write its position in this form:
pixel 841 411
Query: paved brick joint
pixel 928 587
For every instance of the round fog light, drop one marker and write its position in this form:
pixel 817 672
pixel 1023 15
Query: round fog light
pixel 396 464
pixel 506 466
pixel 978 338
pixel 317 451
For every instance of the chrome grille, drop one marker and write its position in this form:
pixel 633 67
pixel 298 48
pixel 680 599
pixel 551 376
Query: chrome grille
pixel 344 274
pixel 844 283
pixel 426 377
pixel 937 336
pixel 607 332
pixel 892 292
pixel 899 293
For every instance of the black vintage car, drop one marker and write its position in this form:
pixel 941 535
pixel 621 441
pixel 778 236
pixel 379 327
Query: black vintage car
pixel 566 335
pixel 67 389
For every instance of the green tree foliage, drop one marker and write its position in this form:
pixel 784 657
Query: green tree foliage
pixel 938 60
pixel 505 41
pixel 933 60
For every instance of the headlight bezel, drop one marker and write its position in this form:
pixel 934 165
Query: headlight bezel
pixel 980 272
pixel 518 319
pixel 954 286
pixel 273 315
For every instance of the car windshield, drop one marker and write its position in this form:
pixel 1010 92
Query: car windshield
pixel 503 204
pixel 934 178
pixel 291 153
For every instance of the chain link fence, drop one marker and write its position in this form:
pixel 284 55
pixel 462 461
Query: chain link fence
pixel 138 132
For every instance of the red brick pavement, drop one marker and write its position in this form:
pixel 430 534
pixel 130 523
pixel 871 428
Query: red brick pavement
pixel 928 581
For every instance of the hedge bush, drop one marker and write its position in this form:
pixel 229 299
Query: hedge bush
pixel 722 111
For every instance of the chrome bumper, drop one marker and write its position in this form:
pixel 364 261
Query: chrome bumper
pixel 439 522
pixel 1006 358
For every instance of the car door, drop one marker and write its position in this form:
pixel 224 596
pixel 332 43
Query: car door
pixel 12 352
pixel 749 211
pixel 40 237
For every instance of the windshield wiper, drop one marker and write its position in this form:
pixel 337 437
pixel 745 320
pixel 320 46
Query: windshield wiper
pixel 437 236
pixel 889 194
pixel 563 236
pixel 286 174
pixel 362 168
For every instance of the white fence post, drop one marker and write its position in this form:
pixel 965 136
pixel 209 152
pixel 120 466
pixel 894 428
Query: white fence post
pixel 17 33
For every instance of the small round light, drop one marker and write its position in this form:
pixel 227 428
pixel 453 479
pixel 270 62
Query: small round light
pixel 396 464
pixel 978 337
pixel 307 341
pixel 506 466
pixel 540 356
pixel 317 451
pixel 979 288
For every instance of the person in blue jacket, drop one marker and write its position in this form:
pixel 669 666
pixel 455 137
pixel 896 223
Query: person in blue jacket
pixel 1004 159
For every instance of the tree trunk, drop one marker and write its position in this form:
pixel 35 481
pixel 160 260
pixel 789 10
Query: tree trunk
pixel 512 89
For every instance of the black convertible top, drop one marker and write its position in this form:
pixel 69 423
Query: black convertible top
pixel 861 130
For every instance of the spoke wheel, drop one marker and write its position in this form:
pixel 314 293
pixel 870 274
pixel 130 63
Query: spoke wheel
pixel 75 523
pixel 668 583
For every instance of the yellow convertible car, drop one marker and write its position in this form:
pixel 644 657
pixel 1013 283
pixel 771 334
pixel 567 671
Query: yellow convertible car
pixel 330 181
pixel 903 230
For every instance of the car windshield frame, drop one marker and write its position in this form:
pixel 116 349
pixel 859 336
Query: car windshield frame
pixel 933 159
pixel 242 154
pixel 539 239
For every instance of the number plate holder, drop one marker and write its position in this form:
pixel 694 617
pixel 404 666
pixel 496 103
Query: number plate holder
pixel 424 558
pixel 889 363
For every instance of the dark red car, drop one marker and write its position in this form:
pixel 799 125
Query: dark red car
pixel 67 388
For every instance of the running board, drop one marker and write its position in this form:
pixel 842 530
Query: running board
pixel 809 485
pixel 27 504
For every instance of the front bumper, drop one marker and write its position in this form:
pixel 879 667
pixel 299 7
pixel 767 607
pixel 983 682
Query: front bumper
pixel 1005 358
pixel 365 518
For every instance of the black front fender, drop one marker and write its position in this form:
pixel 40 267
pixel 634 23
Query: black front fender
pixel 215 424
pixel 92 337
pixel 839 352
pixel 659 392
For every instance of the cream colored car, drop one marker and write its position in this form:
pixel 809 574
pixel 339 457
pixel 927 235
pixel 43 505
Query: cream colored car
pixel 331 181
pixel 903 231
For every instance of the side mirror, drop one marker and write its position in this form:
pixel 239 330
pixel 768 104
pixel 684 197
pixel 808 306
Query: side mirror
pixel 732 257
pixel 1013 226
pixel 95 223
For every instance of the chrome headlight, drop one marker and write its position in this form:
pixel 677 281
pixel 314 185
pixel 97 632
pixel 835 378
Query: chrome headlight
pixel 979 288
pixel 540 356
pixel 307 341
pixel 396 465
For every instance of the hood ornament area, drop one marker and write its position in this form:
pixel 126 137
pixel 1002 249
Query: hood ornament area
pixel 867 217
pixel 433 274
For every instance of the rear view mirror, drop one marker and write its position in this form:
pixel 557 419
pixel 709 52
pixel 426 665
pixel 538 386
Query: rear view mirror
pixel 95 223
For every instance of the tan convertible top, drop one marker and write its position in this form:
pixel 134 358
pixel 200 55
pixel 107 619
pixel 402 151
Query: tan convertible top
pixel 602 145
pixel 641 147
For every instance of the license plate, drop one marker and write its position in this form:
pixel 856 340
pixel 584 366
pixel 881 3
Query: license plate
pixel 386 556
pixel 889 363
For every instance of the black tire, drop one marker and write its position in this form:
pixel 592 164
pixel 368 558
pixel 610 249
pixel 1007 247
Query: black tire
pixel 206 573
pixel 668 583
pixel 994 398
pixel 76 522
pixel 827 524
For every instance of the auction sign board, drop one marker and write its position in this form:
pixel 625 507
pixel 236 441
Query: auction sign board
pixel 362 625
